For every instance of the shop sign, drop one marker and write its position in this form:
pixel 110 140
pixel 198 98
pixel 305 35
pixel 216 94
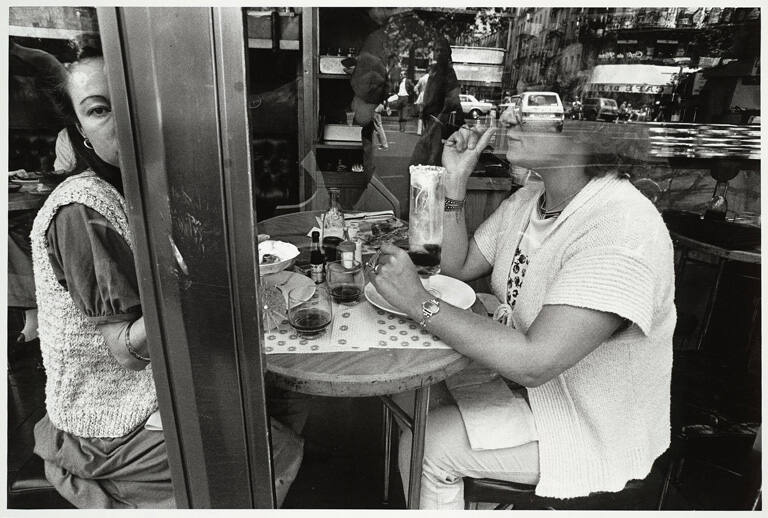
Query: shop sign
pixel 626 88
pixel 612 56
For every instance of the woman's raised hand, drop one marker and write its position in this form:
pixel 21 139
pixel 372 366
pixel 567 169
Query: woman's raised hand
pixel 460 155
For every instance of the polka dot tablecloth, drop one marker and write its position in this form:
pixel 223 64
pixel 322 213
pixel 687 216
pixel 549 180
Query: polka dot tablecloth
pixel 354 328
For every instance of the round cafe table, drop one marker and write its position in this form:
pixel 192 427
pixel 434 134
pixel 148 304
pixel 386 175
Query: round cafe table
pixel 375 372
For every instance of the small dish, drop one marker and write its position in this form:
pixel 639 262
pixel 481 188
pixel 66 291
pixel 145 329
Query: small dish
pixel 286 253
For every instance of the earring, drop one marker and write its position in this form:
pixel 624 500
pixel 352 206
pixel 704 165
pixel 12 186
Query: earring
pixel 87 143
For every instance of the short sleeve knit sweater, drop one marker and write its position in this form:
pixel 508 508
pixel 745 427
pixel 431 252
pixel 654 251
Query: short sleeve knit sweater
pixel 87 392
pixel 605 420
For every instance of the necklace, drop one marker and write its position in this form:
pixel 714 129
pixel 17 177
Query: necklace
pixel 553 212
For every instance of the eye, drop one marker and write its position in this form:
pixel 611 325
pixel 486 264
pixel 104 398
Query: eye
pixel 99 111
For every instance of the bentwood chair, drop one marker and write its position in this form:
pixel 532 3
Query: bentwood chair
pixel 512 495
pixel 636 495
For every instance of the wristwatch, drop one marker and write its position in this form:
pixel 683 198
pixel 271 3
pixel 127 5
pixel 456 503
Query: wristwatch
pixel 429 308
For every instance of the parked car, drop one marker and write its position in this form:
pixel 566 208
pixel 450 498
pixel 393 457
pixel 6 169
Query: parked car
pixel 600 108
pixel 494 105
pixel 539 109
pixel 474 108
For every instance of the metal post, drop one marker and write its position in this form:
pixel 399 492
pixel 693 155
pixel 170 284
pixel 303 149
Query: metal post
pixel 711 303
pixel 387 421
pixel 420 409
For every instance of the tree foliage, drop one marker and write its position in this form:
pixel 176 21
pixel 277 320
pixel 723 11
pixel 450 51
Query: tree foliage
pixel 728 41
pixel 413 31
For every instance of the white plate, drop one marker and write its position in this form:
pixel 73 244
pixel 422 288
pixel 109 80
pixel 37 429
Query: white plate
pixel 285 281
pixel 285 251
pixel 452 291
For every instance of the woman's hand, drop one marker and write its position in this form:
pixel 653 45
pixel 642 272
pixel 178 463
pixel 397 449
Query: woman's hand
pixel 460 155
pixel 396 280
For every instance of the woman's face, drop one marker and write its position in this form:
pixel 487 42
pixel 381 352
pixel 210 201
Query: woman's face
pixel 87 87
pixel 537 148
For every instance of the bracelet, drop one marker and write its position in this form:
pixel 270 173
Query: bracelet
pixel 452 205
pixel 130 348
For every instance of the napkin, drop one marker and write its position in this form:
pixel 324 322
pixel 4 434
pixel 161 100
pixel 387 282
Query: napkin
pixel 494 415
pixel 154 423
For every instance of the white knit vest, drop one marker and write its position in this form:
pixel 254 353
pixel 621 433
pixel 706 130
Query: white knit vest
pixel 87 393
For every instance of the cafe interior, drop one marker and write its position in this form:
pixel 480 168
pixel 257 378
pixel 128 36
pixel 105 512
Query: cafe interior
pixel 262 207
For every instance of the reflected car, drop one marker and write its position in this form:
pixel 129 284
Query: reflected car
pixel 541 110
pixel 474 108
pixel 600 109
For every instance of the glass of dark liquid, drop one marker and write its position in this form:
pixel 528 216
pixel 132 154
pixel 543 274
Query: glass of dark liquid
pixel 425 224
pixel 309 309
pixel 346 280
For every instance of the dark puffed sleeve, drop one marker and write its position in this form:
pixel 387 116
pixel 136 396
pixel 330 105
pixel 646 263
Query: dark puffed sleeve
pixel 94 263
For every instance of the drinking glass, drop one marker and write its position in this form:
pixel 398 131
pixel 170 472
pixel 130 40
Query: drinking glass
pixel 309 309
pixel 425 220
pixel 346 281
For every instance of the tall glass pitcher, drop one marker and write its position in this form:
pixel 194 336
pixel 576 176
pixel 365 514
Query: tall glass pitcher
pixel 425 225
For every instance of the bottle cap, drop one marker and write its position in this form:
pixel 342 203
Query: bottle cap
pixel 315 235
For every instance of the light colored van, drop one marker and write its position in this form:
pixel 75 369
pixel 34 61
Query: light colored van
pixel 539 110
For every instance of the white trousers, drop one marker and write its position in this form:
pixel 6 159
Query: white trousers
pixel 448 456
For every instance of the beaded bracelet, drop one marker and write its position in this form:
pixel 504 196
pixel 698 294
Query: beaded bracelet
pixel 130 348
pixel 452 205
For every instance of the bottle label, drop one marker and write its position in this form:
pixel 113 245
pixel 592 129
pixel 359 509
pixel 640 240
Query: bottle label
pixel 317 273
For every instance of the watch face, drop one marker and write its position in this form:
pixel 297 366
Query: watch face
pixel 431 307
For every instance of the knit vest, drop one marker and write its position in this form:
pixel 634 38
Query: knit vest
pixel 87 392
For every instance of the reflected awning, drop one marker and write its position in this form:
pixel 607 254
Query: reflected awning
pixel 485 74
pixel 643 79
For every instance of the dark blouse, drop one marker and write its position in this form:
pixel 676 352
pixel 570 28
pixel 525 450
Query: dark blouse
pixel 94 263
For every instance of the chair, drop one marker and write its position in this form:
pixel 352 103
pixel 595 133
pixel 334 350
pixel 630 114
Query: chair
pixel 636 495
pixel 714 447
pixel 29 489
pixel 27 486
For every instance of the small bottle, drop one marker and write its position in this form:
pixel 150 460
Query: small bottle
pixel 316 261
pixel 346 250
pixel 358 250
pixel 333 222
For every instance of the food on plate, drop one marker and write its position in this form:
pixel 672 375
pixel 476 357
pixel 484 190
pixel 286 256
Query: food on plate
pixel 269 259
pixel 373 234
